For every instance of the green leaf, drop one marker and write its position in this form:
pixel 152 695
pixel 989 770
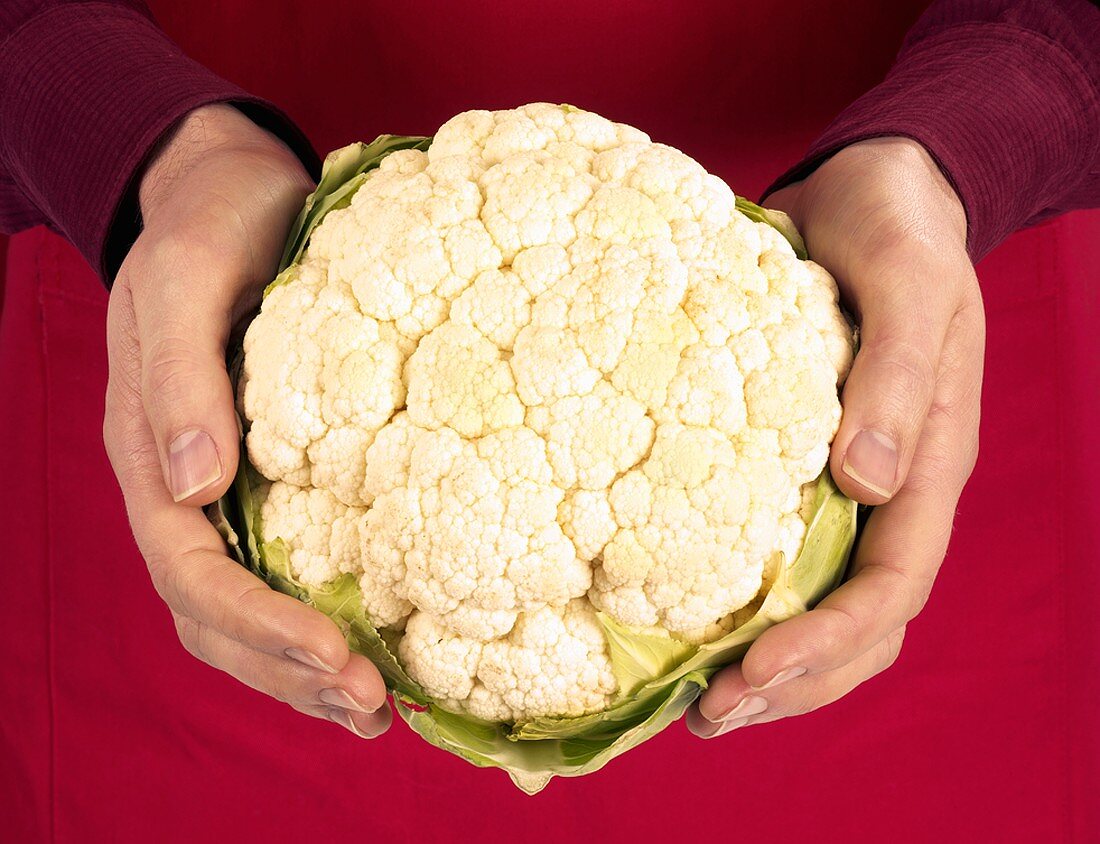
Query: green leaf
pixel 285 277
pixel 830 537
pixel 777 220
pixel 221 516
pixel 637 657
pixel 531 763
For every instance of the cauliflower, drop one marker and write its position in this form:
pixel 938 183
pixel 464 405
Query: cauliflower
pixel 542 377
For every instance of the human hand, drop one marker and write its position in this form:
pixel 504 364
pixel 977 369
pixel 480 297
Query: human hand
pixel 217 201
pixel 882 218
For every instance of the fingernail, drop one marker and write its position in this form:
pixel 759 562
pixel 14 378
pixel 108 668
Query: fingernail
pixel 748 705
pixel 722 727
pixel 341 698
pixel 310 659
pixel 344 719
pixel 872 460
pixel 193 463
pixel 782 677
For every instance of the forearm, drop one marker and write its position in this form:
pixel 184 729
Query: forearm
pixel 1005 95
pixel 86 92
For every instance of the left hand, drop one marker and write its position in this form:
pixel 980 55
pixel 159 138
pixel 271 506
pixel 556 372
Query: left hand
pixel 881 217
pixel 217 200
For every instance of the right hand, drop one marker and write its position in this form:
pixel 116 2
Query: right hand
pixel 217 201
pixel 884 220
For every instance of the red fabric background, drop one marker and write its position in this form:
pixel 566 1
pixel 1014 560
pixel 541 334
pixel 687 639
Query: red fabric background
pixel 986 728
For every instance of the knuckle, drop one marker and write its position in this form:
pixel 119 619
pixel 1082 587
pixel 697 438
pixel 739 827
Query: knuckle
pixel 313 710
pixel 135 460
pixel 844 626
pixel 169 575
pixel 907 590
pixel 947 462
pixel 292 690
pixel 919 590
pixel 940 468
pixel 879 239
pixel 967 458
pixel 246 666
pixel 908 369
pixel 170 251
pixel 112 442
pixel 279 682
pixel 803 705
pixel 921 594
pixel 237 615
pixel 895 642
pixel 187 630
pixel 170 370
pixel 970 453
pixel 888 650
pixel 970 316
pixel 165 582
pixel 278 686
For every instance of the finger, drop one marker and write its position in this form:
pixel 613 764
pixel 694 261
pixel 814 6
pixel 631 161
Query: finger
pixel 183 307
pixel 905 303
pixel 355 698
pixel 731 703
pixel 185 554
pixel 198 580
pixel 358 686
pixel 364 726
pixel 903 543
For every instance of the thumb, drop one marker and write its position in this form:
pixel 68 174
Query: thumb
pixel 904 316
pixel 186 390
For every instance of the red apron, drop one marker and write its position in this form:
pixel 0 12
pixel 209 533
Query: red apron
pixel 986 729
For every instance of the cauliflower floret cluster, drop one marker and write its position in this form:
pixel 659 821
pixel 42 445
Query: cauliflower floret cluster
pixel 544 369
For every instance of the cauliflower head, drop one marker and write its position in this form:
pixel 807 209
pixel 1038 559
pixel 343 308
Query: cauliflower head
pixel 542 373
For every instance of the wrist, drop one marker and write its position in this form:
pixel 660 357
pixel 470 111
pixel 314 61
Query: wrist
pixel 202 132
pixel 910 160
pixel 902 176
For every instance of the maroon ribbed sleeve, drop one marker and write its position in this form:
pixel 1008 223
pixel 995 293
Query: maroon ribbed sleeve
pixel 1005 95
pixel 86 91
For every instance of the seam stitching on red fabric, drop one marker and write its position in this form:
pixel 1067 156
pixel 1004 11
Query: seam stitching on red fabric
pixel 44 241
pixel 1028 301
pixel 1059 538
pixel 76 298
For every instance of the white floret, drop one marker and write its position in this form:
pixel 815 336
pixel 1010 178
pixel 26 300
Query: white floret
pixel 554 662
pixel 320 533
pixel 458 379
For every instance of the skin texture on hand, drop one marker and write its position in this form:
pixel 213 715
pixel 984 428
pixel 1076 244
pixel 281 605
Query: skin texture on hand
pixel 881 217
pixel 217 200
